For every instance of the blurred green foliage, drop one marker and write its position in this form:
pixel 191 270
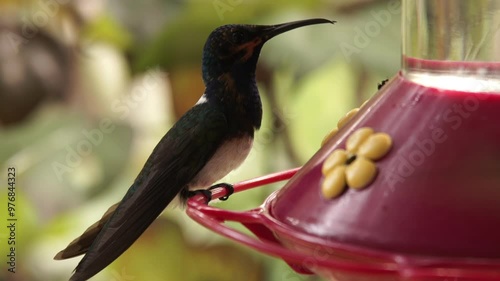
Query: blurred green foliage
pixel 136 67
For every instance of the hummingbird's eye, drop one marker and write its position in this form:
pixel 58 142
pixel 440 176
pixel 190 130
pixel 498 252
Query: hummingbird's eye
pixel 238 37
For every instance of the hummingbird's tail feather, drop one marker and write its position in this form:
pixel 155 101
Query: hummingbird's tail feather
pixel 82 243
pixel 122 229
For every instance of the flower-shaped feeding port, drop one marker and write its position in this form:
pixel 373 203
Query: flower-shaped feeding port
pixel 354 166
pixel 341 123
pixel 348 116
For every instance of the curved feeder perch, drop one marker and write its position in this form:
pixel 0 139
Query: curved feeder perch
pixel 407 187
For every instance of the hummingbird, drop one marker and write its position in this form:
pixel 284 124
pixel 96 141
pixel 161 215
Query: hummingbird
pixel 211 139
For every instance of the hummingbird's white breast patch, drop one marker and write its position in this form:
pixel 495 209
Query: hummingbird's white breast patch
pixel 203 99
pixel 227 157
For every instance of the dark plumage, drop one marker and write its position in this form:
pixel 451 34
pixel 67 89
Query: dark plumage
pixel 207 142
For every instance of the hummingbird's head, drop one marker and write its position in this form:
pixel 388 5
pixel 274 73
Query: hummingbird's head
pixel 234 49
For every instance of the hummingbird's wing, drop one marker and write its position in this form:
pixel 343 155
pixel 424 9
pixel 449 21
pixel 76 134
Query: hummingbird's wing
pixel 175 161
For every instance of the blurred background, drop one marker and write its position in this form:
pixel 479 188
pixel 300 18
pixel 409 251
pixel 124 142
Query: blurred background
pixel 88 87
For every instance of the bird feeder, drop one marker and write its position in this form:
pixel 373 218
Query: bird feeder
pixel 407 187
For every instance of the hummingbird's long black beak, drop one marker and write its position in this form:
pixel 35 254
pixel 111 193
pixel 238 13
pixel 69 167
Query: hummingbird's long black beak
pixel 273 30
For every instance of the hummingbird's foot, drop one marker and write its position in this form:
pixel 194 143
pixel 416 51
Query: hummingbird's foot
pixel 204 192
pixel 229 189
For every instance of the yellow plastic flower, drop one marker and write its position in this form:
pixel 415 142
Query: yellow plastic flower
pixel 348 116
pixel 355 165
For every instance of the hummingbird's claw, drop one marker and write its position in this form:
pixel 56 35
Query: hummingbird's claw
pixel 208 194
pixel 229 190
pixel 204 192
